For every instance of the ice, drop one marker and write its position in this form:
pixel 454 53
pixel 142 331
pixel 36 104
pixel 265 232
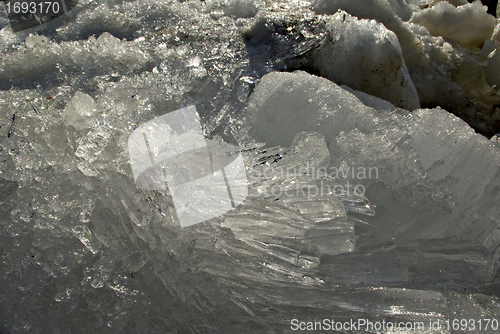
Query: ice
pixel 356 207
pixel 401 8
pixel 94 142
pixel 496 33
pixel 47 58
pixel 290 183
pixel 455 3
pixel 241 8
pixel 491 52
pixel 379 8
pixel 468 90
pixel 329 108
pixel 365 56
pixel 429 60
pixel 371 101
pixel 399 145
pixel 80 112
pixel 468 24
pixel 382 11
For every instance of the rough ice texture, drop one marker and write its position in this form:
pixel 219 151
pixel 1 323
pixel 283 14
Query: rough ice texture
pixel 455 3
pixel 496 33
pixel 318 221
pixel 469 24
pixel 491 53
pixel 426 154
pixel 241 8
pixel 401 9
pixel 381 10
pixel 325 108
pixel 454 78
pixel 444 74
pixel 46 58
pixel 371 101
pixel 80 112
pixel 366 56
pixel 85 251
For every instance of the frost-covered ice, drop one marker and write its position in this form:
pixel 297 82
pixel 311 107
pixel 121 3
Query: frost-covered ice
pixel 468 23
pixel 401 142
pixel 367 196
pixel 444 72
pixel 365 56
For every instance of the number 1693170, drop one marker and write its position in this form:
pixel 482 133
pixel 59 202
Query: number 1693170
pixel 32 7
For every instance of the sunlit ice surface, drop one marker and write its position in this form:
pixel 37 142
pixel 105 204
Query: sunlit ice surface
pixel 249 166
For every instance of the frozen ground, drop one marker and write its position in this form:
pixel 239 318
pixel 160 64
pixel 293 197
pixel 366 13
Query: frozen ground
pixel 368 135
